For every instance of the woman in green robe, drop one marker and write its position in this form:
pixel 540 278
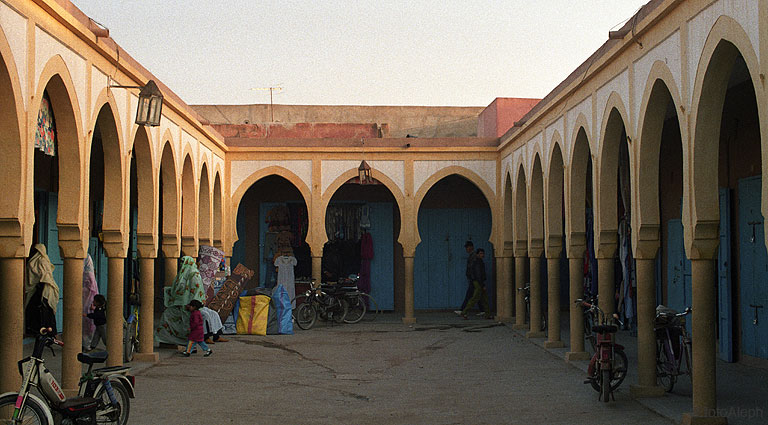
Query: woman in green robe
pixel 188 286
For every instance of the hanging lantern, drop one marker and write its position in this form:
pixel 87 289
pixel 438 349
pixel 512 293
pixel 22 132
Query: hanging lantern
pixel 364 173
pixel 150 105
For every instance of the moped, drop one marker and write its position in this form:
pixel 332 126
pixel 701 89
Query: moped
pixel 104 394
pixel 608 366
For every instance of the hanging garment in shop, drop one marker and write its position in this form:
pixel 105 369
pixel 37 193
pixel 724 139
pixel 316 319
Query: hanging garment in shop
pixel 285 275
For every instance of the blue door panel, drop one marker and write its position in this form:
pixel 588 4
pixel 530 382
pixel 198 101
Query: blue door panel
pixel 678 270
pixel 383 263
pixel 753 267
pixel 724 291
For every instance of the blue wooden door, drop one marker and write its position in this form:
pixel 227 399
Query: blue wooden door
pixel 753 267
pixel 724 292
pixel 678 270
pixel 383 263
pixel 440 264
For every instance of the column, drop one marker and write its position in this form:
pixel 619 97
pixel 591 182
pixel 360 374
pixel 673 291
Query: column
pixel 147 312
pixel 410 316
pixel 606 288
pixel 505 292
pixel 12 318
pixel 535 299
pixel 646 338
pixel 171 268
pixel 115 295
pixel 553 304
pixel 704 348
pixel 72 331
pixel 519 299
pixel 576 290
pixel 317 270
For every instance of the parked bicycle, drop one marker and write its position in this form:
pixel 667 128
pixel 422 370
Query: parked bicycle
pixel 590 319
pixel 131 328
pixel 673 346
pixel 104 394
pixel 527 297
pixel 608 366
pixel 322 301
pixel 360 303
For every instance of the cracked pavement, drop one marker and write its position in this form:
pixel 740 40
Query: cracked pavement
pixel 443 370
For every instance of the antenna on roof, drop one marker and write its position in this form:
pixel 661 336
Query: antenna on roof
pixel 277 88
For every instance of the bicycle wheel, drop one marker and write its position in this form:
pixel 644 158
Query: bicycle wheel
pixel 341 308
pixel 306 315
pixel 356 311
pixel 109 414
pixel 605 384
pixel 619 370
pixel 371 305
pixel 664 376
pixel 33 412
pixel 129 342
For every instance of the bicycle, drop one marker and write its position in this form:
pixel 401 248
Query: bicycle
pixel 527 297
pixel 590 319
pixel 318 302
pixel 673 346
pixel 131 328
pixel 608 366
pixel 103 397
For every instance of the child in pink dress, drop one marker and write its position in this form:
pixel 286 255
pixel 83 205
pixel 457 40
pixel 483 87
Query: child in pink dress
pixel 196 334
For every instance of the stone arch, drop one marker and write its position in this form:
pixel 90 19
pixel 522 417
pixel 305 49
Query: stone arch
pixel 659 90
pixel 554 199
pixel 521 211
pixel 726 40
pixel 146 181
pixel 577 193
pixel 508 199
pixel 13 148
pixel 536 206
pixel 218 207
pixel 189 230
pixel 343 178
pixel 237 195
pixel 606 221
pixel 170 197
pixel 204 208
pixel 56 79
pixel 580 125
pixel 108 121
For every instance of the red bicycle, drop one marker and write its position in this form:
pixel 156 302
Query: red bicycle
pixel 608 366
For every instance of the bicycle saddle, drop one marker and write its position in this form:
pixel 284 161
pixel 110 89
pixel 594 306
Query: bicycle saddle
pixel 93 358
pixel 605 329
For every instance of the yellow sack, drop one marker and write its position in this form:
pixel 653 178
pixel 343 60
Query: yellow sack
pixel 252 316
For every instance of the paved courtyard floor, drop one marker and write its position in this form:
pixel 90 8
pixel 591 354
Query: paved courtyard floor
pixel 443 370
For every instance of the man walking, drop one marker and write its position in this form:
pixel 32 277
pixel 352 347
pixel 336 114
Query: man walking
pixel 470 248
pixel 478 282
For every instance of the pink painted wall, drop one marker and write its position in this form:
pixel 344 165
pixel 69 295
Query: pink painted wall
pixel 501 115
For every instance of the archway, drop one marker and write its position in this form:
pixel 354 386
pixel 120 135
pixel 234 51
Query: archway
pixel 168 225
pixel 557 264
pixel 362 227
pixel 189 230
pixel 453 211
pixel 538 273
pixel 217 208
pixel 272 219
pixel 204 214
pixel 521 245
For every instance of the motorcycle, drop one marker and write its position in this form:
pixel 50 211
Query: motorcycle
pixel 608 366
pixel 103 397
pixel 325 301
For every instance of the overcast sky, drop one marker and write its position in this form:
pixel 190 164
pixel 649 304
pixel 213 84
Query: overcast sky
pixel 447 52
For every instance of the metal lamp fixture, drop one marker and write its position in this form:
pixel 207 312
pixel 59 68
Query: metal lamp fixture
pixel 364 173
pixel 150 105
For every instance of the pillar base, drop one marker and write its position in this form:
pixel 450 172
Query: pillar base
pixel 689 419
pixel 146 357
pixel 644 391
pixel 554 344
pixel 577 356
pixel 520 327
pixel 409 320
pixel 535 334
pixel 502 319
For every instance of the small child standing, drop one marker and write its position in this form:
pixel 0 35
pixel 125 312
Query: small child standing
pixel 99 317
pixel 196 334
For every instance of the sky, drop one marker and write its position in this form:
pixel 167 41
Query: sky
pixel 333 52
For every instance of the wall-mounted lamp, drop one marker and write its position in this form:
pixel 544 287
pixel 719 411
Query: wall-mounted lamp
pixel 364 173
pixel 150 106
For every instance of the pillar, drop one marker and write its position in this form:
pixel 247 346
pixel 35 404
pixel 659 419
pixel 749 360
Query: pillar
pixel 519 299
pixel 146 312
pixel 12 318
pixel 410 316
pixel 646 337
pixel 72 331
pixel 553 304
pixel 576 291
pixel 535 299
pixel 115 296
pixel 606 288
pixel 171 268
pixel 317 269
pixel 504 285
pixel 704 344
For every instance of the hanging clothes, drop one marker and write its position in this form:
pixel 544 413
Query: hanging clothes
pixel 366 255
pixel 45 135
pixel 188 286
pixel 285 275
pixel 41 292
pixel 90 289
